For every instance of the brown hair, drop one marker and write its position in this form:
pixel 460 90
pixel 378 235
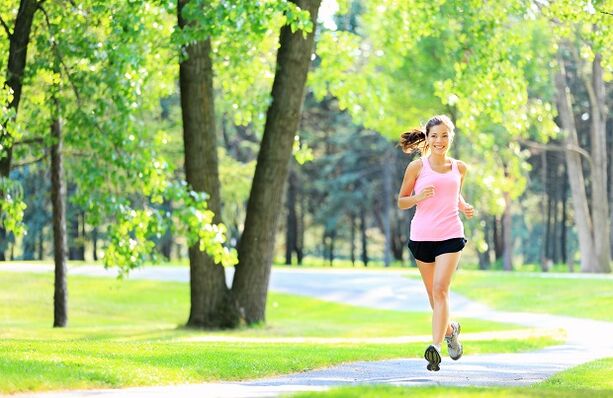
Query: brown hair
pixel 416 138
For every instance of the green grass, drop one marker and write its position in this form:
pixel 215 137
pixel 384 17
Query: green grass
pixel 144 310
pixel 592 379
pixel 584 298
pixel 126 333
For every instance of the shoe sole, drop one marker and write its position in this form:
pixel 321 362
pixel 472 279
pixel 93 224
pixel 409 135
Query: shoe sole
pixel 433 358
pixel 461 348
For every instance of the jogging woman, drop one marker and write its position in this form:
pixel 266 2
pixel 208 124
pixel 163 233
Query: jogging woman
pixel 433 183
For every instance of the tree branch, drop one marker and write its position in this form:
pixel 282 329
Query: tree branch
pixel 29 162
pixel 605 12
pixel 28 141
pixel 559 148
pixel 6 28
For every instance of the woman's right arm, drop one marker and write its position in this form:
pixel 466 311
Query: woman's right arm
pixel 405 199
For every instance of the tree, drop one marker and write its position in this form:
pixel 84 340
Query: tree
pixel 257 242
pixel 19 39
pixel 211 304
pixel 585 38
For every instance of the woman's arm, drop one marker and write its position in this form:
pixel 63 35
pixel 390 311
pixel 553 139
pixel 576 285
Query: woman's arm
pixel 463 206
pixel 405 199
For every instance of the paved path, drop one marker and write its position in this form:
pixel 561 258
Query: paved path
pixel 586 339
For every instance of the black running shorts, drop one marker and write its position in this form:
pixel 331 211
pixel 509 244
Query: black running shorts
pixel 427 251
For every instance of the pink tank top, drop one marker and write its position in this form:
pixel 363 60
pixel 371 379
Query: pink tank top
pixel 438 218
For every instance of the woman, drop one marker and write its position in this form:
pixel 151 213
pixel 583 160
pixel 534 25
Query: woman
pixel 433 184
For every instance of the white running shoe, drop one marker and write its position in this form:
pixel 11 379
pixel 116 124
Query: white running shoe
pixel 454 347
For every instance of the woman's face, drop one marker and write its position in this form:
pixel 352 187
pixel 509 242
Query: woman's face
pixel 439 139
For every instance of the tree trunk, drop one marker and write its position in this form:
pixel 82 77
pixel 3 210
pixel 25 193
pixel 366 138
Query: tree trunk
pixel 18 48
pixel 563 238
pixel 165 244
pixel 58 201
pixel 507 234
pixel 300 232
pixel 15 67
pixel 95 243
pixel 497 237
pixel 575 172
pixel 211 302
pixel 255 250
pixel 41 245
pixel 352 237
pixel 332 236
pixel 363 234
pixel 291 227
pixel 610 162
pixel 75 246
pixel 598 138
pixel 387 198
pixel 545 237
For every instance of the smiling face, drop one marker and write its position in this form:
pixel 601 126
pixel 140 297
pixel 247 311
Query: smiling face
pixel 439 138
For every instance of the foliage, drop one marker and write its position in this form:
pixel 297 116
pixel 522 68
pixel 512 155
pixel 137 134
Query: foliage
pixel 12 206
pixel 112 62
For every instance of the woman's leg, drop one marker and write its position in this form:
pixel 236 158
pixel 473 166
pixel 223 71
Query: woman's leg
pixel 427 275
pixel 445 266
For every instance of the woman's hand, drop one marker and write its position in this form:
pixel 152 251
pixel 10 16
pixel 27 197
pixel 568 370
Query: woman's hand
pixel 427 192
pixel 468 211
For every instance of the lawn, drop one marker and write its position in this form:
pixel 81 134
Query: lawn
pixel 126 333
pixel 512 291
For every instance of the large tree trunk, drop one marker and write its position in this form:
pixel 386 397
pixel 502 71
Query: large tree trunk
pixel 15 67
pixel 211 303
pixel 575 172
pixel 598 138
pixel 60 245
pixel 255 250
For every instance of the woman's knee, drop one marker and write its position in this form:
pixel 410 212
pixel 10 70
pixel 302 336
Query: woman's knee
pixel 440 292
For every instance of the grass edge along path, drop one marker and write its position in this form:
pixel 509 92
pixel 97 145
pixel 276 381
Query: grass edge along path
pixel 592 379
pixel 27 366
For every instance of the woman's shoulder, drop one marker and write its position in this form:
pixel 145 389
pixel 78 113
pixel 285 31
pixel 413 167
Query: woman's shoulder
pixel 414 167
pixel 462 167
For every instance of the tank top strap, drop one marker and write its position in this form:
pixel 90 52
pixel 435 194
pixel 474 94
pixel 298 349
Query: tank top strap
pixel 425 163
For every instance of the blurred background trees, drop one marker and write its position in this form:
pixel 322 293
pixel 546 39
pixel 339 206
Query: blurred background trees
pixel 527 83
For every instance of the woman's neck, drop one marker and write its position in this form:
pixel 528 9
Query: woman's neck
pixel 437 159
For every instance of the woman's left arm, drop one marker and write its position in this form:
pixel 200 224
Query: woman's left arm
pixel 463 206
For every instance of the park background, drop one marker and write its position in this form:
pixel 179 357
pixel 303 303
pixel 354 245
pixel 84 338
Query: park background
pixel 114 100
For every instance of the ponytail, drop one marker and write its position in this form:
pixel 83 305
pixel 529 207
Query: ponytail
pixel 413 140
